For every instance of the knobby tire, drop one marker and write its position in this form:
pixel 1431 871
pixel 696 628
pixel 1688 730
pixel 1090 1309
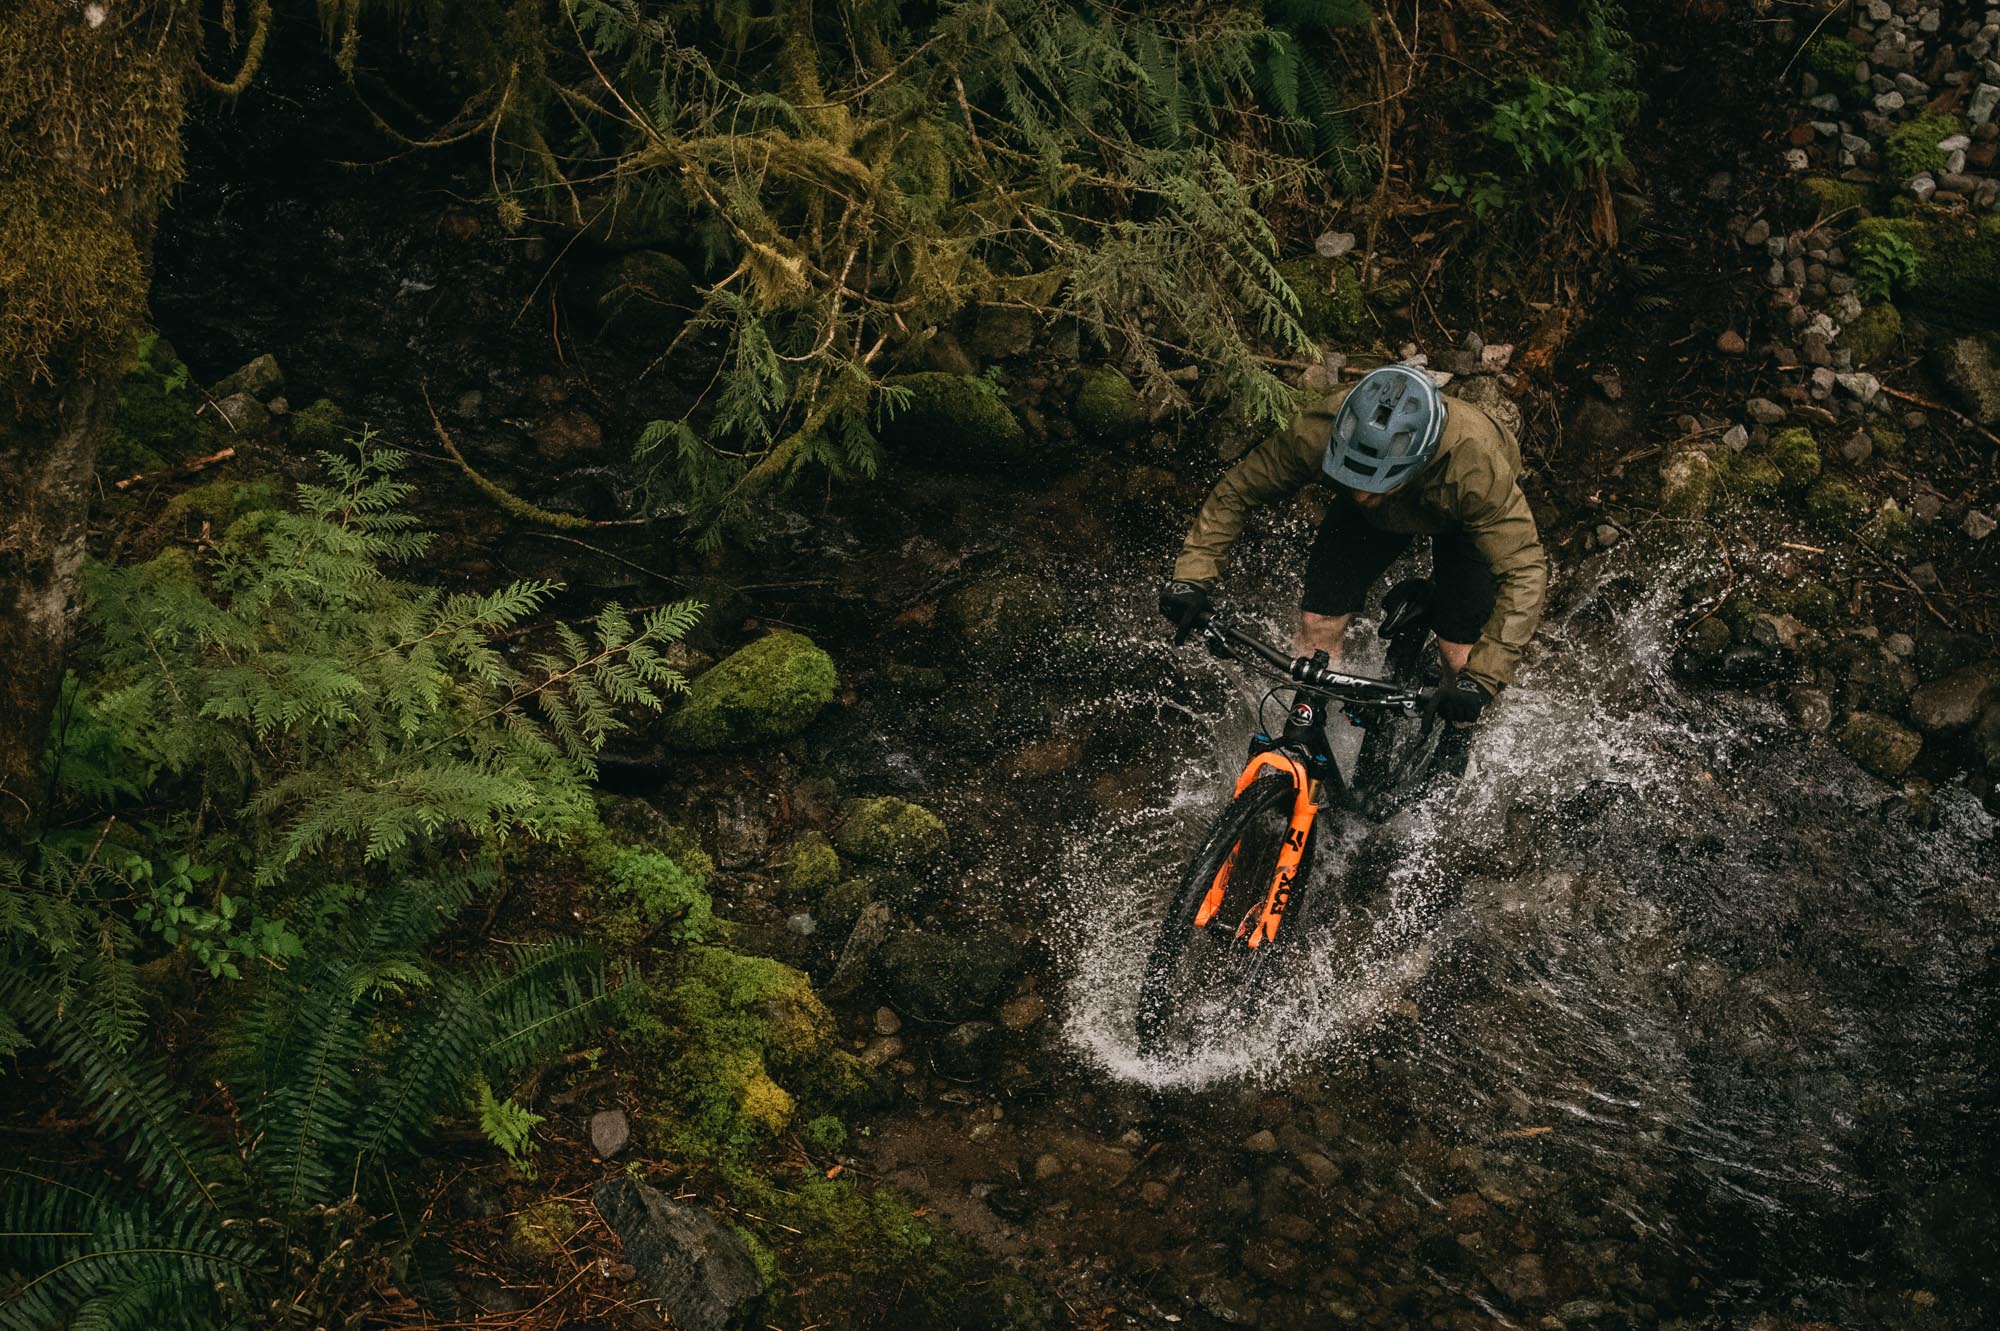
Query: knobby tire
pixel 1257 814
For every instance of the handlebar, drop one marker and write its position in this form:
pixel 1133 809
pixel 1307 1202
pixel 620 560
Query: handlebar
pixel 1223 638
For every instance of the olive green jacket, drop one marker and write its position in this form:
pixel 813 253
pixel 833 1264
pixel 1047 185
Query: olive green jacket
pixel 1471 484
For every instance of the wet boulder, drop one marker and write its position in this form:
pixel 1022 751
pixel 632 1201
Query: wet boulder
pixel 1956 701
pixel 261 379
pixel 1106 406
pixel 953 419
pixel 1687 484
pixel 1872 678
pixel 947 977
pixel 769 690
pixel 892 831
pixel 1881 745
pixel 1004 613
pixel 698 1268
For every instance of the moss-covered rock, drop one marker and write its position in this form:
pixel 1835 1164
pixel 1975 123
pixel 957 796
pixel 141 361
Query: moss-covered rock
pixel 954 419
pixel 1106 406
pixel 1889 441
pixel 1873 335
pixel 1826 196
pixel 319 426
pixel 645 295
pixel 1835 504
pixel 1795 453
pixel 947 977
pixel 1884 747
pixel 153 424
pixel 1813 603
pixel 1890 529
pixel 1833 60
pixel 1911 148
pixel 841 905
pixel 541 1232
pixel 769 690
pixel 1001 614
pixel 1331 304
pixel 1958 263
pixel 892 831
pixel 733 1026
pixel 1687 484
pixel 652 897
pixel 812 866
pixel 1749 477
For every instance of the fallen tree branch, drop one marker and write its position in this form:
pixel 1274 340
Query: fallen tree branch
pixel 1925 402
pixel 507 499
pixel 188 468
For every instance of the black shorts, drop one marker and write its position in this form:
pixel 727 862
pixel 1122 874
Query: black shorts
pixel 1349 556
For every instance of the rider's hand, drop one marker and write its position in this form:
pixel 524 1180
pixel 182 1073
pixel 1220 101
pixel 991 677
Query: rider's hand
pixel 1185 603
pixel 1463 701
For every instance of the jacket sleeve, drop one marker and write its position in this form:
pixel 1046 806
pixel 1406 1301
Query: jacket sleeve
pixel 1503 529
pixel 1276 469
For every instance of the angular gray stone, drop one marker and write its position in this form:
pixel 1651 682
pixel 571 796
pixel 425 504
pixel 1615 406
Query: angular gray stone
pixel 1764 411
pixel 261 379
pixel 241 413
pixel 697 1267
pixel 1334 244
pixel 610 1132
pixel 1971 367
pixel 1985 98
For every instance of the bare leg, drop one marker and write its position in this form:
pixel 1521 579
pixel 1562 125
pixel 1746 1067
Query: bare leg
pixel 1322 633
pixel 1453 655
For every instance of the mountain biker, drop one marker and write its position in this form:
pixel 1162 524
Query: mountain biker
pixel 1401 459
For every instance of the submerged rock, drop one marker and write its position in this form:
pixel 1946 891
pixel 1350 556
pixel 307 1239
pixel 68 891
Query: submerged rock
pixel 944 977
pixel 1884 747
pixel 1002 613
pixel 770 690
pixel 698 1268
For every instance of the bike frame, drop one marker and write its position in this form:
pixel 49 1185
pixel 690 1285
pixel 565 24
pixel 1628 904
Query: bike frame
pixel 1302 752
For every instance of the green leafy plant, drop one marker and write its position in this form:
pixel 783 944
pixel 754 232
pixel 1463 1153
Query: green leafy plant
pixel 507 1125
pixel 1483 191
pixel 338 1068
pixel 1884 261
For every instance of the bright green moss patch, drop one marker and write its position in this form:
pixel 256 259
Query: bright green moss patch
pixel 1749 477
pixel 154 423
pixel 1824 196
pixel 770 690
pixel 1889 442
pixel 540 1232
pixel 1795 453
pixel 1833 60
pixel 814 866
pixel 1330 297
pixel 1958 263
pixel 1912 147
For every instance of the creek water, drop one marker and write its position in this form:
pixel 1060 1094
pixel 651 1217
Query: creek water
pixel 1731 997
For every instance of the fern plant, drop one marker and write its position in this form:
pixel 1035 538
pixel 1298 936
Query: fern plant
pixel 337 1071
pixel 1884 261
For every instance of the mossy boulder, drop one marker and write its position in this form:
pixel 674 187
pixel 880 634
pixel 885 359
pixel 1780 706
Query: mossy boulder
pixel 1106 406
pixel 1911 148
pixel 812 866
pixel 953 419
pixel 750 1040
pixel 1889 441
pixel 769 690
pixel 1958 264
pixel 1873 335
pixel 947 977
pixel 1331 303
pixel 1814 603
pixel 645 295
pixel 1835 504
pixel 1833 60
pixel 892 831
pixel 842 904
pixel 153 424
pixel 1002 614
pixel 1795 453
pixel 1687 484
pixel 1881 745
pixel 319 426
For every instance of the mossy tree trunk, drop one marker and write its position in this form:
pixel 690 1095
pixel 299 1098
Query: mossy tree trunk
pixel 92 100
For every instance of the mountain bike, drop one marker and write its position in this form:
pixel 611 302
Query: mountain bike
pixel 1239 902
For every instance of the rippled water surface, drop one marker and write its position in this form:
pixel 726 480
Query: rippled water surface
pixel 1737 993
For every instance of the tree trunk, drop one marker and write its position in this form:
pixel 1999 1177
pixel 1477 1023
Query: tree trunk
pixel 46 462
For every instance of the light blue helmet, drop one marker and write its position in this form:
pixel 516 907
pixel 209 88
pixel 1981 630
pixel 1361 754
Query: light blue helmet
pixel 1387 429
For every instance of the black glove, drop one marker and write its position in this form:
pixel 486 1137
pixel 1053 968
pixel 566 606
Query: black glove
pixel 1461 702
pixel 1185 603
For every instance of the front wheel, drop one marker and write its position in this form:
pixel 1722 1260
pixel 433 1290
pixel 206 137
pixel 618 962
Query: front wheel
pixel 1228 875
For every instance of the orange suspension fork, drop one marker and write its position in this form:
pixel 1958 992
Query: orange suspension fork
pixel 1278 895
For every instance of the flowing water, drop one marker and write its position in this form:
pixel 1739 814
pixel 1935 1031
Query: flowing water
pixel 1734 992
